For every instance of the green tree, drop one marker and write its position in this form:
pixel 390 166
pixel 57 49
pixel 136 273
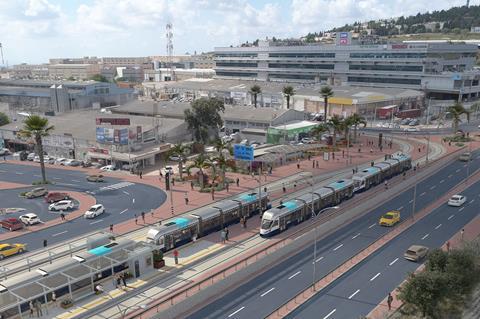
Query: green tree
pixel 337 126
pixel 356 120
pixel 179 150
pixel 423 292
pixel 4 120
pixel 288 92
pixel 437 260
pixel 463 268
pixel 326 92
pixel 318 130
pixel 99 78
pixel 203 116
pixel 456 111
pixel 37 127
pixel 254 91
pixel 201 162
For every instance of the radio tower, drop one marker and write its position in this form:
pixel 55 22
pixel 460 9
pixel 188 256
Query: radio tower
pixel 169 35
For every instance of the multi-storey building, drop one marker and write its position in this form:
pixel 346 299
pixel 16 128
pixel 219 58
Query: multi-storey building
pixel 76 71
pixel 443 70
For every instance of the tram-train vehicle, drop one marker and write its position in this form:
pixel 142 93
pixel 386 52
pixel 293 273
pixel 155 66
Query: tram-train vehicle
pixel 205 220
pixel 295 211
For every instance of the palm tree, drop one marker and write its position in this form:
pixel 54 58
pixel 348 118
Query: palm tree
pixel 288 92
pixel 200 162
pixel 221 145
pixel 37 127
pixel 356 120
pixel 456 112
pixel 326 92
pixel 178 150
pixel 337 125
pixel 255 90
pixel 318 130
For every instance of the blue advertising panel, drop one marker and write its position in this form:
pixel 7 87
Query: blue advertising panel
pixel 100 132
pixel 109 135
pixel 243 152
pixel 124 136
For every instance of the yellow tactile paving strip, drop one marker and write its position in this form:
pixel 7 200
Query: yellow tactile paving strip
pixel 100 300
pixel 201 253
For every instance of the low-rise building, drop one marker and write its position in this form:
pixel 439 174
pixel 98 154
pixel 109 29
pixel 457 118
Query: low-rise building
pixel 75 71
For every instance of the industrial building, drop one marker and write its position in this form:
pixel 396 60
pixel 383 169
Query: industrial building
pixel 442 70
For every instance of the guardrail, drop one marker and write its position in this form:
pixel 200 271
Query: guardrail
pixel 190 289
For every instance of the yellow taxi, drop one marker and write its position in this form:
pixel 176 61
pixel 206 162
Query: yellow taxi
pixel 390 218
pixel 11 249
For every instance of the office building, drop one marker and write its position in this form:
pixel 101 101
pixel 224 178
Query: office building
pixel 75 71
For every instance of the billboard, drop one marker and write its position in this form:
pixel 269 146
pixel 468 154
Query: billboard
pixel 124 136
pixel 112 121
pixel 243 152
pixel 108 133
pixel 100 135
pixel 343 38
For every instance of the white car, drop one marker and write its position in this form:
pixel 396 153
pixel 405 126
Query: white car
pixel 457 200
pixel 411 129
pixel 29 219
pixel 4 151
pixel 61 205
pixel 60 161
pixel 94 211
pixel 108 168
pixel 31 156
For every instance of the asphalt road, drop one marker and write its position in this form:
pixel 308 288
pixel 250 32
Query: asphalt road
pixel 261 295
pixel 121 200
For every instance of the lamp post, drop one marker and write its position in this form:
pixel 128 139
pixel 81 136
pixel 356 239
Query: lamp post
pixel 259 180
pixel 315 239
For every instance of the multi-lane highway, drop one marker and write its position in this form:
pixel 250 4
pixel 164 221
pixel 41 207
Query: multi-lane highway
pixel 121 199
pixel 261 295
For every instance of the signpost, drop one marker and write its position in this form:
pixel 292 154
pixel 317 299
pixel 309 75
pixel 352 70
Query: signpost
pixel 243 152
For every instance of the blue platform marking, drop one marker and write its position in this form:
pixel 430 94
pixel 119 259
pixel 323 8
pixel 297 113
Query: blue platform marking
pixel 99 251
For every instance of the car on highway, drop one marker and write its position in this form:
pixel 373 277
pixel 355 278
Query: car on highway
pixel 29 219
pixel 94 211
pixel 11 224
pixel 411 129
pixel 416 253
pixel 53 197
pixel 390 218
pixel 108 168
pixel 457 200
pixel 36 192
pixel 61 205
pixel 98 178
pixel 465 157
pixel 7 250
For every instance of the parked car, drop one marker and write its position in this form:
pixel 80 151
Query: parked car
pixel 414 122
pixel 29 219
pixel 97 165
pixel 72 162
pixel 390 218
pixel 411 129
pixel 308 140
pixel 60 161
pixel 95 178
pixel 405 121
pixel 7 250
pixel 36 159
pixel 174 158
pixel 108 168
pixel 465 157
pixel 61 205
pixel 31 156
pixel 36 192
pixel 416 253
pixel 53 197
pixel 11 224
pixel 4 151
pixel 94 211
pixel 457 200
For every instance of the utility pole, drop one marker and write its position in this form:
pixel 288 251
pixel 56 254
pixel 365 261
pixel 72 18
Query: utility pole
pixel 1 52
pixel 169 35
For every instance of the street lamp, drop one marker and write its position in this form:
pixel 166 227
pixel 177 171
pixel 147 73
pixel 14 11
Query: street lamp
pixel 259 180
pixel 315 240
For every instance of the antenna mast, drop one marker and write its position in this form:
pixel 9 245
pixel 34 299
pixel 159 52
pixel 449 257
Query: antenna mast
pixel 1 52
pixel 169 35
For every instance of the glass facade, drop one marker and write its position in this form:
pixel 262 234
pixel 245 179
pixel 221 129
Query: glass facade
pixel 291 76
pixel 300 66
pixel 237 64
pixel 236 55
pixel 239 74
pixel 385 55
pixel 403 68
pixel 384 80
pixel 302 55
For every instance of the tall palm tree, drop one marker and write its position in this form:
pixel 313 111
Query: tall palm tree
pixel 456 111
pixel 178 150
pixel 288 92
pixel 37 127
pixel 201 162
pixel 222 162
pixel 318 130
pixel 326 92
pixel 254 91
pixel 356 120
pixel 221 145
pixel 337 126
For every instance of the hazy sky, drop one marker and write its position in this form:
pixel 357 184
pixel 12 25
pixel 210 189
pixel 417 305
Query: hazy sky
pixel 34 30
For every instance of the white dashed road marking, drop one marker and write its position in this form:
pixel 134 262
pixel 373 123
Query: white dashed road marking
pixel 372 225
pixel 433 187
pixel 295 274
pixel 425 236
pixel 353 295
pixel 356 236
pixel 472 201
pixel 235 312
pixel 393 261
pixel 400 208
pixel 123 211
pixel 266 292
pixel 330 313
pixel 438 226
pixel 374 277
pixel 442 181
pixel 96 222
pixel 338 247
pixel 461 209
pixel 318 259
pixel 423 193
pixel 451 216
pixel 61 233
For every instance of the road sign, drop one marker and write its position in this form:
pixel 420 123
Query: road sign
pixel 243 152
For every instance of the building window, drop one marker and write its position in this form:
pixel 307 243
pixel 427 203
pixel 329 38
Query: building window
pixel 385 55
pixel 236 55
pixel 291 76
pixel 237 64
pixel 236 74
pixel 302 55
pixel 301 66
pixel 404 68
pixel 384 80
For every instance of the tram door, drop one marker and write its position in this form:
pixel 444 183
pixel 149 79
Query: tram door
pixel 137 269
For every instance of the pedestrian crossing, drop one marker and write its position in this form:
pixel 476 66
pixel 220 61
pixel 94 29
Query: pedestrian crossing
pixel 112 187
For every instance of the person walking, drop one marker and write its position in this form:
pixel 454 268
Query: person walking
pixel 226 233
pixel 62 216
pixel 222 236
pixel 386 185
pixel 44 243
pixel 38 308
pixel 295 185
pixel 318 166
pixel 124 280
pixel 389 301
pixel 213 193
pixel 298 165
pixel 111 228
pixel 313 164
pixel 54 298
pixel 143 217
pixel 238 182
pixel 245 222
pixel 185 196
pixel 403 175
pixel 175 256
pixel 30 306
pixel 118 282
pixel 227 186
pixel 136 219
pixel 191 185
pixel 284 188
pixel 141 173
pixel 448 246
pixel 265 189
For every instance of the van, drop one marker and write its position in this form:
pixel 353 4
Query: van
pixel 465 157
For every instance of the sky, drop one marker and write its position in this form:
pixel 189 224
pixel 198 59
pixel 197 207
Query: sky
pixel 33 31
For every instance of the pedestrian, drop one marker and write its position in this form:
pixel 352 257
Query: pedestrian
pixel 191 185
pixel 386 185
pixel 359 150
pixel 419 150
pixel 141 173
pixel 54 298
pixel 298 165
pixel 371 150
pixel 118 281
pixel 265 189
pixel 403 175
pixel 448 246
pixel 213 193
pixel 343 153
pixel 175 256
pixel 295 185
pixel 62 216
pixel 415 168
pixel 30 306
pixel 353 170
pixel 238 181
pixel 449 143
pixel 143 217
pixel 222 236
pixel 4 158
pixel 333 155
pixel 389 301
pixel 313 164
pixel 44 243
pixel 152 211
pixel 284 188
pixel 185 195
pixel 372 163
pixel 136 219
pixel 462 232
pixel 227 186
pixel 318 166
pixel 245 222
pixel 99 289
pixel 124 280
pixel 226 233
pixel 173 181
pixel 38 308
pixel 309 157
pixel 111 228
